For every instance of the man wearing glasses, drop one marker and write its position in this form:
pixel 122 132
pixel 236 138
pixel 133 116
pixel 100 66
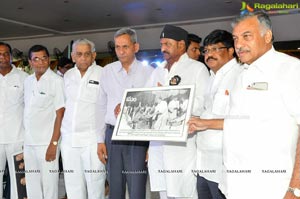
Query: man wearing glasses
pixel 83 171
pixel 44 109
pixel 219 56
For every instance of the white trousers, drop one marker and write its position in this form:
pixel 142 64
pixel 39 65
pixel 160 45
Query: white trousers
pixel 6 152
pixel 41 176
pixel 84 173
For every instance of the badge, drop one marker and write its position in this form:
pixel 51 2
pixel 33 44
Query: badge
pixel 175 80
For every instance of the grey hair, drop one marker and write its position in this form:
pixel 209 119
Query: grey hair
pixel 127 31
pixel 262 17
pixel 84 42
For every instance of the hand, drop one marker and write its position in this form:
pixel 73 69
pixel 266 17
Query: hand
pixel 196 124
pixel 51 153
pixel 147 156
pixel 159 84
pixel 117 110
pixel 102 153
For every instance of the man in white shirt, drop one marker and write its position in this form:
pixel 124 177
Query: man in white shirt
pixel 126 159
pixel 43 112
pixel 219 56
pixel 176 159
pixel 261 147
pixel 81 133
pixel 11 114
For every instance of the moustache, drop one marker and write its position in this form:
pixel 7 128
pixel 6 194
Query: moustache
pixel 241 50
pixel 210 58
pixel 165 52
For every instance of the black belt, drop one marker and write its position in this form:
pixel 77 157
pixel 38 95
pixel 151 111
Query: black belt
pixel 110 126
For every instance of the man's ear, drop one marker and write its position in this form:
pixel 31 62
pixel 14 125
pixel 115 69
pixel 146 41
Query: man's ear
pixel 231 51
pixel 268 36
pixel 181 44
pixel 136 47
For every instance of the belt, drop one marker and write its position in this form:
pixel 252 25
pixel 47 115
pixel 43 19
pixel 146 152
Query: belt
pixel 110 126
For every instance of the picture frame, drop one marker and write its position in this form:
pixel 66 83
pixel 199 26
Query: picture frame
pixel 157 113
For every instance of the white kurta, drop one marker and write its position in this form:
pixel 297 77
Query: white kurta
pixel 216 105
pixel 170 164
pixel 260 134
pixel 12 106
pixel 79 126
pixel 42 99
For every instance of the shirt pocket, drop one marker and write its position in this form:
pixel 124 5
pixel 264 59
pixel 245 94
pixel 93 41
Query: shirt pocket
pixel 221 103
pixel 42 100
pixel 90 93
pixel 15 94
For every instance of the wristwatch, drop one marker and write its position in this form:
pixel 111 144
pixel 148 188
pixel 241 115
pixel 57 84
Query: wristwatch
pixel 295 191
pixel 54 143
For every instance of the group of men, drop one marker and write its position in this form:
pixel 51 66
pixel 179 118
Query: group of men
pixel 243 139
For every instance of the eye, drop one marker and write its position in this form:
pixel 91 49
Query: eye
pixel 247 37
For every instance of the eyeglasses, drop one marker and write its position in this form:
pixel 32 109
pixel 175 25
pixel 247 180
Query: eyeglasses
pixel 212 50
pixel 6 54
pixel 85 54
pixel 38 59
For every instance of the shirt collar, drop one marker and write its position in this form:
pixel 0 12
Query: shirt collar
pixel 262 62
pixel 90 68
pixel 45 75
pixel 225 68
pixel 132 68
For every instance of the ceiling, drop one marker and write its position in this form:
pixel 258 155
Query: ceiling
pixel 21 19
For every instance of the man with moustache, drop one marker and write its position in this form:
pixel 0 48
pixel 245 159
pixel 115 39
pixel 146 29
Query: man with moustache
pixel 125 160
pixel 84 173
pixel 171 164
pixel 43 112
pixel 261 147
pixel 219 56
pixel 11 114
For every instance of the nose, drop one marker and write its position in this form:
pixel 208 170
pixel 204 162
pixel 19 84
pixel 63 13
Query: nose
pixel 237 43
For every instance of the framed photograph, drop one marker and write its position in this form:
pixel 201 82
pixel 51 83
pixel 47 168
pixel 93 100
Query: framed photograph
pixel 158 113
pixel 19 174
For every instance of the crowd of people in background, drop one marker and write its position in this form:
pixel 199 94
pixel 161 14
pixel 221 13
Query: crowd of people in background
pixel 243 139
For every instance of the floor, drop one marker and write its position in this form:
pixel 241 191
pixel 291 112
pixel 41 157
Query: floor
pixel 149 195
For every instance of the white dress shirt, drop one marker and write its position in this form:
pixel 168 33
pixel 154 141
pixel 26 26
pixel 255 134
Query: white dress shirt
pixel 216 105
pixel 260 134
pixel 42 99
pixel 80 125
pixel 12 106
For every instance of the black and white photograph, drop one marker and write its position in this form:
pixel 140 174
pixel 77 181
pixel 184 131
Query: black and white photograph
pixel 158 113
